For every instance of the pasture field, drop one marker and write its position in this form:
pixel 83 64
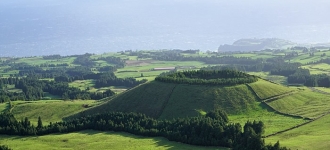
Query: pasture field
pixel 253 55
pixel 48 96
pixel 32 60
pixel 266 89
pixel 82 84
pixel 3 107
pixel 40 60
pixel 314 135
pixel 273 122
pixel 305 103
pixel 48 110
pixel 321 68
pixel 116 89
pixel 89 84
pixel 306 58
pixel 102 63
pixel 136 68
pixel 274 78
pixel 90 139
pixel 148 74
pixel 327 90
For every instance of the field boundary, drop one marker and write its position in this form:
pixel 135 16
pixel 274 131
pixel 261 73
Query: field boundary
pixel 318 91
pixel 166 102
pixel 276 97
pixel 297 126
pixel 272 98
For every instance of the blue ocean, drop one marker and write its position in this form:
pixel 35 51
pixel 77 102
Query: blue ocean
pixel 45 27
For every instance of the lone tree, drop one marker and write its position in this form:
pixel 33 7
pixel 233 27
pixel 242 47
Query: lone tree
pixel 39 123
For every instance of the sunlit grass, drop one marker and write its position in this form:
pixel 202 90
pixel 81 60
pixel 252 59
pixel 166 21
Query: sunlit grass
pixel 314 135
pixel 90 139
pixel 48 110
pixel 304 103
pixel 266 89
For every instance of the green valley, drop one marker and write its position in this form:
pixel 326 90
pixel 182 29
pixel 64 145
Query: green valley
pixel 285 89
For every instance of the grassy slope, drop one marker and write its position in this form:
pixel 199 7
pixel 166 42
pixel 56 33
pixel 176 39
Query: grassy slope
pixel 306 58
pixel 267 89
pixel 3 106
pixel 186 99
pixel 192 100
pixel 324 89
pixel 96 140
pixel 147 98
pixel 49 111
pixel 315 135
pixel 275 78
pixel 318 68
pixel 305 103
pixel 174 100
pixel 273 122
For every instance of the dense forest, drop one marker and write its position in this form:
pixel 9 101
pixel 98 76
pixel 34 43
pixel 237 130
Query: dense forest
pixel 206 77
pixel 211 130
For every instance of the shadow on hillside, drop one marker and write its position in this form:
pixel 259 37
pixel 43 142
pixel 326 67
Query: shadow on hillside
pixel 158 141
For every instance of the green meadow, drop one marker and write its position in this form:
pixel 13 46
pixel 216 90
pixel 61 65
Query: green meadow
pixel 265 89
pixel 168 101
pixel 48 110
pixel 314 135
pixel 96 140
pixel 304 103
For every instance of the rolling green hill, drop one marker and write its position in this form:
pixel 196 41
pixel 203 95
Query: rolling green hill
pixel 167 100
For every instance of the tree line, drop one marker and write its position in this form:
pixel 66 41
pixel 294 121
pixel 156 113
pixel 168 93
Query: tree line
pixel 109 79
pixel 207 77
pixel 211 130
pixel 34 89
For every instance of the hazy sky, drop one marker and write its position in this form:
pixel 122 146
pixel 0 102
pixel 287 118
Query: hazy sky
pixel 157 24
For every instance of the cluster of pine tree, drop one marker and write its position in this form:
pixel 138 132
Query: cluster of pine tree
pixel 119 63
pixel 110 79
pixel 34 89
pixel 84 60
pixel 211 130
pixel 207 77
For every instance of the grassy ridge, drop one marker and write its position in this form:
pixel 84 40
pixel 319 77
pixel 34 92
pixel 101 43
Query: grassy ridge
pixel 167 101
pixel 265 89
pixel 186 99
pixel 49 111
pixel 314 135
pixel 179 100
pixel 306 104
pixel 147 98
pixel 96 140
